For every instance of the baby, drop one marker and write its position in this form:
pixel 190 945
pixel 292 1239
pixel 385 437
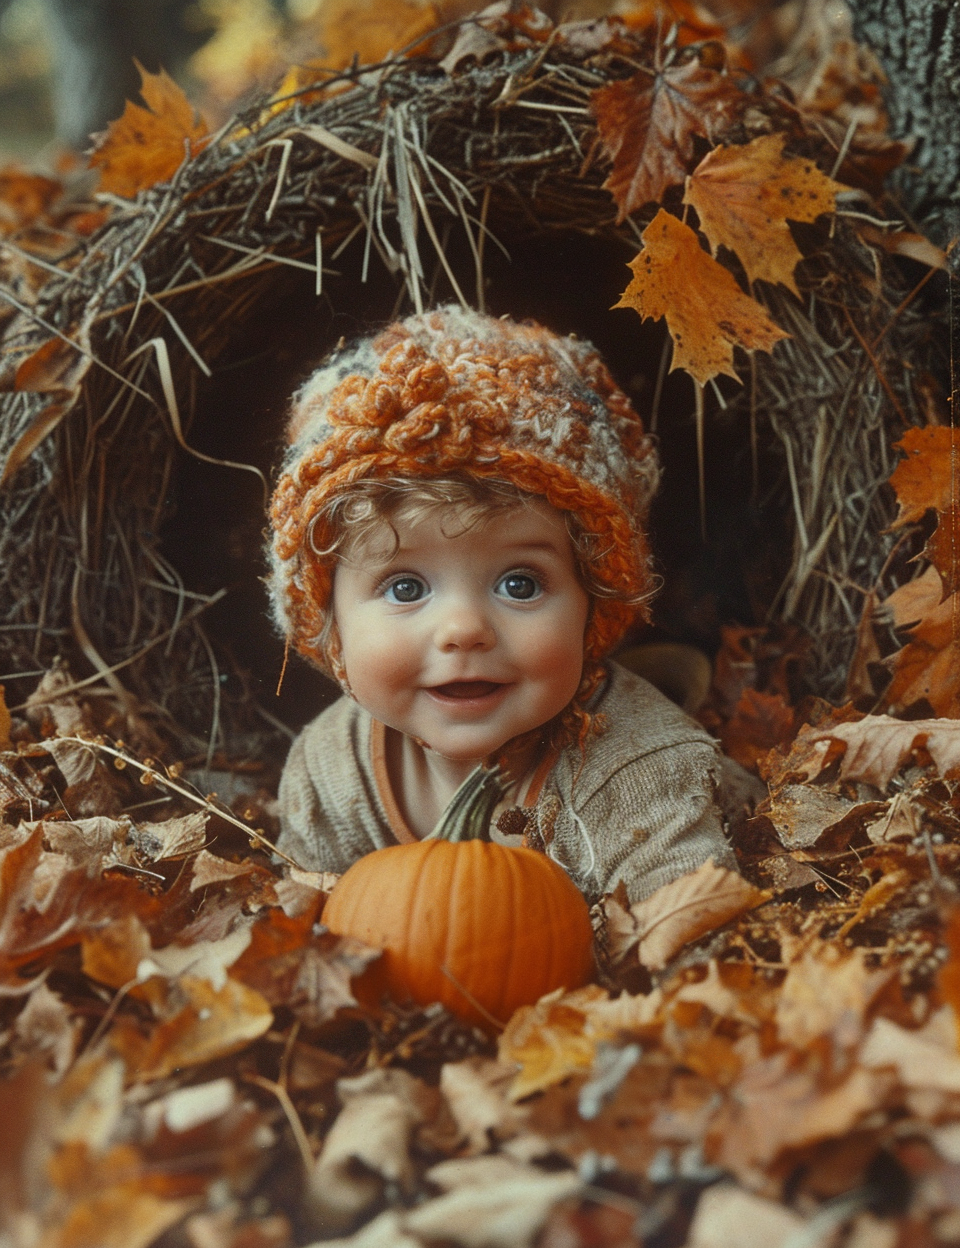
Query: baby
pixel 459 541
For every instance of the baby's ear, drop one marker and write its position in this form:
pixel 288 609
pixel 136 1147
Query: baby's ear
pixel 333 655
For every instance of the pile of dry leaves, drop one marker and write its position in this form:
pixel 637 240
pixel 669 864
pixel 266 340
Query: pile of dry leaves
pixel 767 1059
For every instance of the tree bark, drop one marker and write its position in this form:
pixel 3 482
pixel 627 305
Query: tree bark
pixel 918 44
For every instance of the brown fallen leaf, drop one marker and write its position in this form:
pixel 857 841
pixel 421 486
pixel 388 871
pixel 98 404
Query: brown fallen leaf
pixel 923 1058
pixel 777 1105
pixel 759 722
pixel 212 1023
pixel 551 1040
pixel 928 477
pixel 24 197
pixel 209 869
pixel 46 1027
pixel 4 722
pixel 171 838
pixel 706 311
pixel 148 145
pixel 127 1215
pixel 943 551
pixel 927 669
pixel 901 821
pixel 229 1228
pixel 476 1094
pixel 904 243
pixel 909 603
pixel 647 125
pixel 504 1214
pixel 678 913
pixel 879 745
pixel 744 197
pixel 827 992
pixel 367 1148
pixel 40 428
pixel 801 813
pixel 728 1215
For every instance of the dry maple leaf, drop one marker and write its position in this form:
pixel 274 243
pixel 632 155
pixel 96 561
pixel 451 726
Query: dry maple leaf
pixel 928 476
pixel 744 197
pixel 551 1040
pixel 879 745
pixel 148 145
pixel 760 721
pixel 647 125
pixel 372 30
pixel 928 667
pixel 681 911
pixel 827 991
pixel 707 312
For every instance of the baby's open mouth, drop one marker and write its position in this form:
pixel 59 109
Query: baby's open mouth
pixel 467 688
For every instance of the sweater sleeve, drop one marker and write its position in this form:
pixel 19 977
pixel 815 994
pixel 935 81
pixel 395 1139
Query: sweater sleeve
pixel 654 820
pixel 329 811
pixel 642 809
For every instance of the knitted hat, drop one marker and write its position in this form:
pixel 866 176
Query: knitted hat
pixel 454 392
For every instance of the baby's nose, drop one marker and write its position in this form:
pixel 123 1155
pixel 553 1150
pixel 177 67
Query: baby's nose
pixel 465 626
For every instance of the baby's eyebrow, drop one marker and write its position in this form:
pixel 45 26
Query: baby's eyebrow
pixel 550 547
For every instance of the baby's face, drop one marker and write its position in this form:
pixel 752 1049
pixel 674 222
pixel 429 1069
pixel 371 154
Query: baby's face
pixel 468 640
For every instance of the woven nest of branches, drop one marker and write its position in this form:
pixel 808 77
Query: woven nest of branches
pixel 132 509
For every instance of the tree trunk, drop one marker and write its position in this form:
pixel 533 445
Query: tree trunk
pixel 918 44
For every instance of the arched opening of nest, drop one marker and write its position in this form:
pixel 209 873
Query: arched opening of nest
pixel 195 312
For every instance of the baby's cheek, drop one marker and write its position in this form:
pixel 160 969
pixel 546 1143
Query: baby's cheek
pixel 556 655
pixel 379 664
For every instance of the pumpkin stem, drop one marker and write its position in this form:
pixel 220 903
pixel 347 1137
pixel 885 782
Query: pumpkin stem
pixel 467 818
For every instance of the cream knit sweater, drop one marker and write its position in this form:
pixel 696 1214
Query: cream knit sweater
pixel 640 806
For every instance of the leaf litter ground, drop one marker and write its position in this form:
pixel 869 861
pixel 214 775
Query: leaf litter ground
pixel 776 1051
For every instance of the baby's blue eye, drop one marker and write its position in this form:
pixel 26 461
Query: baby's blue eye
pixel 519 586
pixel 405 589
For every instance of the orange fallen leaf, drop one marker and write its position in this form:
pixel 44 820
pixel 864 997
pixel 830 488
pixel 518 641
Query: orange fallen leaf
pixel 4 722
pixel 911 602
pixel 744 197
pixel 551 1040
pixel 928 476
pixel 707 313
pixel 647 126
pixel 55 366
pixel 943 551
pixel 692 22
pixel 24 197
pixel 148 145
pixel 212 1023
pixel 928 667
pixel 759 722
pixel 372 30
pixel 124 1216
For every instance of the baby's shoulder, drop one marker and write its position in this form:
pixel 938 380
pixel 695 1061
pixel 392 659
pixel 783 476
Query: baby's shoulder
pixel 641 730
pixel 640 719
pixel 338 727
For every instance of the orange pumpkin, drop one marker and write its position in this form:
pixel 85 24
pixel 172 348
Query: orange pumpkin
pixel 481 927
